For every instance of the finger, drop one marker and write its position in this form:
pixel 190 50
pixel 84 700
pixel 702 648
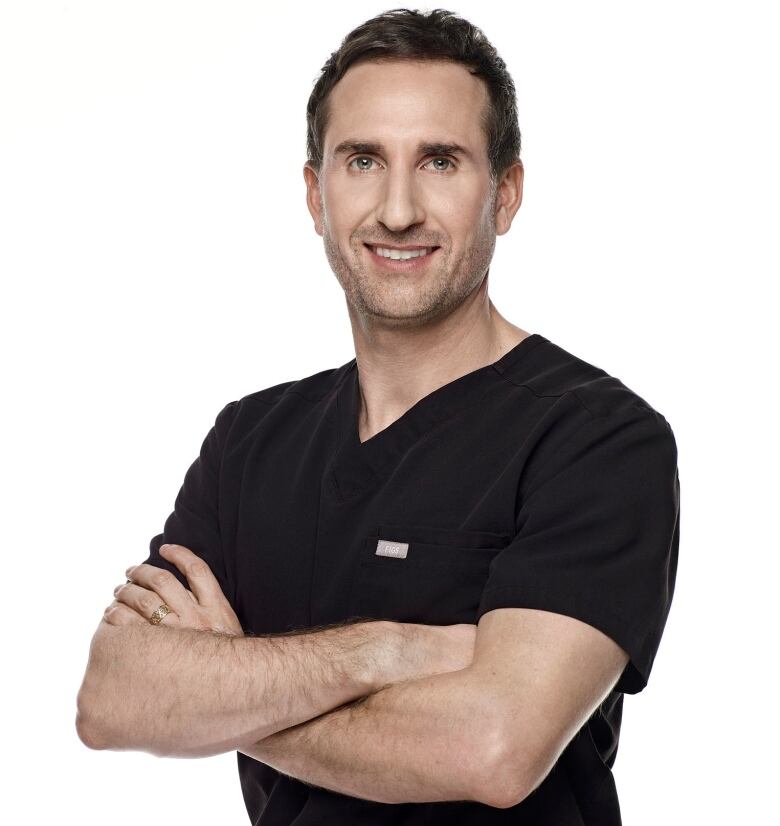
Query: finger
pixel 143 601
pixel 162 583
pixel 200 577
pixel 119 614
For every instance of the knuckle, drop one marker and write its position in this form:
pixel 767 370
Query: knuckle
pixel 196 567
pixel 150 603
pixel 112 614
pixel 161 579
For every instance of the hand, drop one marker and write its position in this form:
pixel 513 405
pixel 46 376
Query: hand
pixel 204 608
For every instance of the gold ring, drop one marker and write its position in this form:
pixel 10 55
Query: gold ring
pixel 158 615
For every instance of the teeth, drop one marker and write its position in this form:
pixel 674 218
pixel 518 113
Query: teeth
pixel 401 254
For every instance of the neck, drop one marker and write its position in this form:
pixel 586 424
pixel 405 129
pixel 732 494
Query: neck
pixel 398 367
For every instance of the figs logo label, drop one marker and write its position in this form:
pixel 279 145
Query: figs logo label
pixel 384 547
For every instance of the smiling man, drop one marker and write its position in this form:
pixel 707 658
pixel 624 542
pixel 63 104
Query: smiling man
pixel 405 199
pixel 505 509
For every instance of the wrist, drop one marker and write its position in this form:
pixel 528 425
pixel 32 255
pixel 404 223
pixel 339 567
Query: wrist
pixel 380 665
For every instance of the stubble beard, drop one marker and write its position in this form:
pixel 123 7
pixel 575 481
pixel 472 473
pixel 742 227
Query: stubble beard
pixel 440 291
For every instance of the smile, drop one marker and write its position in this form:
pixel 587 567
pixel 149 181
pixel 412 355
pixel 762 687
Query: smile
pixel 401 255
pixel 401 261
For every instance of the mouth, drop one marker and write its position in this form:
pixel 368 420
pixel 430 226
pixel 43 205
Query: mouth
pixel 401 260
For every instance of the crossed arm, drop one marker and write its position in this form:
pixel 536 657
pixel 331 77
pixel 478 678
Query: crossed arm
pixel 496 727
pixel 489 731
pixel 428 739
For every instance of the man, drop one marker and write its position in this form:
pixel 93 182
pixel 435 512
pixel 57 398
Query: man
pixel 432 573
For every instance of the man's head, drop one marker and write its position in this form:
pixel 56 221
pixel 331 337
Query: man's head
pixel 413 140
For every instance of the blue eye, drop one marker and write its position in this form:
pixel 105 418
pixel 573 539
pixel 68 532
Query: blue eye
pixel 361 158
pixel 442 159
pixel 371 160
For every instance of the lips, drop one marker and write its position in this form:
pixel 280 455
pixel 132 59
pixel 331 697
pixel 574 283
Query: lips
pixel 430 247
pixel 408 265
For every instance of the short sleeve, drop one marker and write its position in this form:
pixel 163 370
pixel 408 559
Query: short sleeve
pixel 598 535
pixel 194 521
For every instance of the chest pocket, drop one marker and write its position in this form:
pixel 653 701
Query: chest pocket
pixel 422 574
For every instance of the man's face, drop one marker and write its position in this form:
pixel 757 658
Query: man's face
pixel 400 193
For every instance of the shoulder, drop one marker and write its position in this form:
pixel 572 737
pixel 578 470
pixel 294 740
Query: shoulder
pixel 568 408
pixel 239 417
pixel 569 386
pixel 311 388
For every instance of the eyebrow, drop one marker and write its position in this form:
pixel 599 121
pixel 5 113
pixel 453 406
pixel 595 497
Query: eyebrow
pixel 373 148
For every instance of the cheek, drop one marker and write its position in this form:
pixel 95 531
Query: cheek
pixel 461 218
pixel 338 225
pixel 343 199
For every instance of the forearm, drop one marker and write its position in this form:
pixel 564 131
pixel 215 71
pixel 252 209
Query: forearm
pixel 182 692
pixel 418 741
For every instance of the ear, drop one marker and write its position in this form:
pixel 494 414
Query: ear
pixel 509 196
pixel 313 196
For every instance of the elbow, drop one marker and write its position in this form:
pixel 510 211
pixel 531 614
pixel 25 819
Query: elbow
pixel 88 734
pixel 500 779
pixel 100 726
pixel 91 734
pixel 102 722
pixel 109 715
pixel 97 701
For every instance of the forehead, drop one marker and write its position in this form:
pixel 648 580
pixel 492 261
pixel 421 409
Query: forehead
pixel 389 101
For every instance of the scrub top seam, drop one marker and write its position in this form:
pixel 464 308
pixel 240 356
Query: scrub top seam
pixel 250 397
pixel 545 395
pixel 520 353
pixel 642 408
pixel 309 398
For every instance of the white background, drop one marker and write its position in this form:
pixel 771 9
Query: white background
pixel 158 261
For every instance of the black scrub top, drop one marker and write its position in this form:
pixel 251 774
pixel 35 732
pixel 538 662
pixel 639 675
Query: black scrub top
pixel 538 481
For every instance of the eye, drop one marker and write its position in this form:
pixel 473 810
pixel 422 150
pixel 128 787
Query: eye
pixel 365 168
pixel 361 158
pixel 442 159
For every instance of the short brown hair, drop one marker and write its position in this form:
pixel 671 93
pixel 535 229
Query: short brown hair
pixel 407 34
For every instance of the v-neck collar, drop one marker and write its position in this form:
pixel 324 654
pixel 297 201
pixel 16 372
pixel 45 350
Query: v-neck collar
pixel 357 464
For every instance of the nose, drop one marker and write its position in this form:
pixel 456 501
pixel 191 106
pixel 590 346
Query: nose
pixel 401 201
